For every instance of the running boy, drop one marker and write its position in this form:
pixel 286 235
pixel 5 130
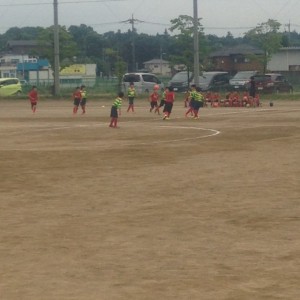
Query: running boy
pixel 116 110
pixel 170 97
pixel 33 98
pixel 76 99
pixel 131 94
pixel 153 98
pixel 83 98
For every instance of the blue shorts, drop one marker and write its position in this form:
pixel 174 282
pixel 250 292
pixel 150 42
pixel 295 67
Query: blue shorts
pixel 114 112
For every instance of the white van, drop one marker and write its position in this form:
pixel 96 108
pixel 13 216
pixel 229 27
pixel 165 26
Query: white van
pixel 143 82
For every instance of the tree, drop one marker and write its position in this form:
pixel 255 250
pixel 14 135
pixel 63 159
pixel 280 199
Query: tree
pixel 67 46
pixel 182 44
pixel 267 37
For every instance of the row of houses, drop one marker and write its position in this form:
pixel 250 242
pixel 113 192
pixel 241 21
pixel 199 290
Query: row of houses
pixel 239 58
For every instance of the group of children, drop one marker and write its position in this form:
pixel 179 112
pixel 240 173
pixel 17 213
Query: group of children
pixel 166 100
pixel 232 99
pixel 194 100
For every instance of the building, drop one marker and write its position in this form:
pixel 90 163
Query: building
pixel 9 63
pixel 158 66
pixel 37 72
pixel 287 59
pixel 78 74
pixel 238 58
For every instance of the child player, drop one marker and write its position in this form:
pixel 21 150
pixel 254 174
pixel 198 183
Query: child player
pixel 162 101
pixel 131 94
pixel 192 101
pixel 153 98
pixel 83 98
pixel 170 97
pixel 33 98
pixel 76 99
pixel 198 101
pixel 116 110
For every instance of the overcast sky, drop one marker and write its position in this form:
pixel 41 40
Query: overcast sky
pixel 218 16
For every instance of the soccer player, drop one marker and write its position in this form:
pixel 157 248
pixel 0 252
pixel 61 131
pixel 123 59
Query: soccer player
pixel 198 102
pixel 83 98
pixel 153 98
pixel 116 110
pixel 76 99
pixel 192 101
pixel 162 101
pixel 33 98
pixel 170 98
pixel 131 94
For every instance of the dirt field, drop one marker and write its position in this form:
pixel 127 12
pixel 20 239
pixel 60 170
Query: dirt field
pixel 177 209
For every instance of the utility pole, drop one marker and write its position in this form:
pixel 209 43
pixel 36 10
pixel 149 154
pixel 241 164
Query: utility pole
pixel 289 32
pixel 132 21
pixel 196 44
pixel 133 43
pixel 56 50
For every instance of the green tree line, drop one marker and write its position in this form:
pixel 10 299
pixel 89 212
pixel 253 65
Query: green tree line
pixel 112 51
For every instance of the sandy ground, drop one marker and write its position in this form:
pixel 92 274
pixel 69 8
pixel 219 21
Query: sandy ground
pixel 178 209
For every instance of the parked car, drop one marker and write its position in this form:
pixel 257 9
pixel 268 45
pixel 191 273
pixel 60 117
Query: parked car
pixel 214 81
pixel 271 83
pixel 10 86
pixel 240 81
pixel 180 81
pixel 143 82
pixel 281 84
pixel 208 81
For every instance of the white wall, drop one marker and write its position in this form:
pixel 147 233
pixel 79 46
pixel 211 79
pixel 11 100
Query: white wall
pixel 282 60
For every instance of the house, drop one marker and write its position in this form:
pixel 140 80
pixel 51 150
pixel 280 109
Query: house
pixel 238 58
pixel 158 66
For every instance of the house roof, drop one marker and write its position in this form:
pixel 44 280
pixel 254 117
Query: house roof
pixel 236 50
pixel 22 43
pixel 156 61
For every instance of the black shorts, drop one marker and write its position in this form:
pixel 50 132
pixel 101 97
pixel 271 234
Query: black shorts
pixel 192 103
pixel 198 104
pixel 168 107
pixel 76 101
pixel 114 112
pixel 83 102
pixel 153 104
pixel 162 103
pixel 131 100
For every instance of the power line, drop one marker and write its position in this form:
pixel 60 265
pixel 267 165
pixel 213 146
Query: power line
pixel 51 3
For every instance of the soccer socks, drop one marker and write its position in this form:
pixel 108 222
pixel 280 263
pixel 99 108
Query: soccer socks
pixel 115 122
pixel 130 107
